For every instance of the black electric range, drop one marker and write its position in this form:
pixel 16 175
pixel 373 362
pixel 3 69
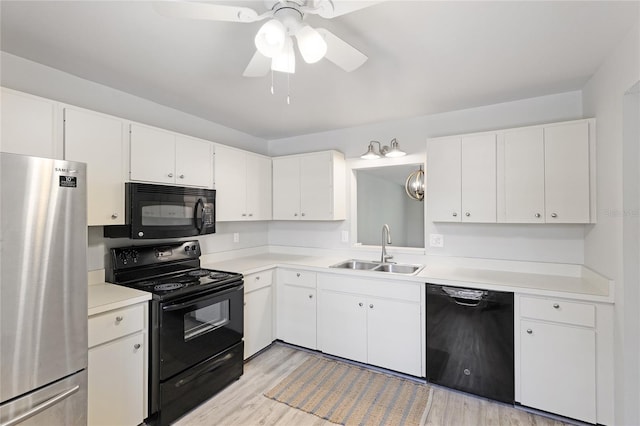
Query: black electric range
pixel 195 324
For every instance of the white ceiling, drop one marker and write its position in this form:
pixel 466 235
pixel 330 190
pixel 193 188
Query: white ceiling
pixel 425 57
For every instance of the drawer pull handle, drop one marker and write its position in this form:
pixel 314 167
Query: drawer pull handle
pixel 298 274
pixel 170 175
pixel 556 306
pixel 467 214
pixel 360 304
pixel 529 331
pixel 554 215
pixel 258 278
pixel 371 306
pixel 119 318
pixel 311 296
pixel 537 215
pixel 136 346
pixel 455 214
pixel 114 216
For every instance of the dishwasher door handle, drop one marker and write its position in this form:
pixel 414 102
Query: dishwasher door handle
pixel 470 304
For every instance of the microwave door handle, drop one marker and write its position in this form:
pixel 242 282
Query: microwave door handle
pixel 200 226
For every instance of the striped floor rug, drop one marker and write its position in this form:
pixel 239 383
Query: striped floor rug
pixel 351 395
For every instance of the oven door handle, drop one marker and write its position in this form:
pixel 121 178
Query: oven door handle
pixel 209 369
pixel 199 227
pixel 183 305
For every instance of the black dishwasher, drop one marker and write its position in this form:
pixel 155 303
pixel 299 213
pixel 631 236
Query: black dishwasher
pixel 470 341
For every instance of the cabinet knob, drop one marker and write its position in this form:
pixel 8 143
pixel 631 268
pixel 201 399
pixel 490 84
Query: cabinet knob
pixel 114 215
pixel 556 306
pixel 455 214
pixel 295 214
pixel 298 274
pixel 244 214
pixel 360 304
pixel 181 176
pixel 136 346
pixel 537 215
pixel 170 175
pixel 258 278
pixel 311 296
pixel 554 215
pixel 529 331
pixel 251 214
pixel 303 214
pixel 371 306
pixel 119 318
pixel 467 214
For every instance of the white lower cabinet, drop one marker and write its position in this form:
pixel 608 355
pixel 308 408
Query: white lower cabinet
pixel 258 312
pixel 117 367
pixel 296 307
pixel 557 367
pixel 377 322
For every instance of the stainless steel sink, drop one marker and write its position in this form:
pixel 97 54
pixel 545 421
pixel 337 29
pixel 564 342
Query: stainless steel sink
pixel 397 268
pixel 370 265
pixel 364 265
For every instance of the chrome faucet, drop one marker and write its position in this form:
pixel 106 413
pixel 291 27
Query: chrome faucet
pixel 385 230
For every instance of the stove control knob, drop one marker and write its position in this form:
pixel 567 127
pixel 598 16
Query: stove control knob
pixel 140 234
pixel 193 248
pixel 187 248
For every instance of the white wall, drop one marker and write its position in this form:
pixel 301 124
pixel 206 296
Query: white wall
pixel 544 243
pixel 603 98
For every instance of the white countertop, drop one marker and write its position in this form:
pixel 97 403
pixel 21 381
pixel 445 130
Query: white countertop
pixel 587 286
pixel 104 297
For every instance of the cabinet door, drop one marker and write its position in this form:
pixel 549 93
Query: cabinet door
pixel 286 188
pixel 394 335
pixel 258 187
pixel 557 369
pixel 566 156
pixel 116 387
pixel 28 125
pixel 342 326
pixel 152 155
pixel 97 140
pixel 258 318
pixel 479 178
pixel 444 180
pixel 316 187
pixel 194 162
pixel 231 184
pixel 297 316
pixel 524 175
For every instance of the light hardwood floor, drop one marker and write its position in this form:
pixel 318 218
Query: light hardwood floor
pixel 243 402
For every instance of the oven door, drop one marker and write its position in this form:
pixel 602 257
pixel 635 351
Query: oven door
pixel 161 211
pixel 194 329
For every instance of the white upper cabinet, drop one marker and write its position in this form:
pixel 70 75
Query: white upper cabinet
pixel 99 141
pixel 444 179
pixel 524 175
pixel 243 185
pixel 461 178
pixel 29 125
pixel 309 187
pixel 159 156
pixel 537 174
pixel 546 174
pixel 479 178
pixel 566 180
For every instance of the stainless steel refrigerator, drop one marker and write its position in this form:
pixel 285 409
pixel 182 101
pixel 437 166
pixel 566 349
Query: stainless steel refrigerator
pixel 43 291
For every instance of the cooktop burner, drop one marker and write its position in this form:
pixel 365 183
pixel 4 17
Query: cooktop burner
pixel 168 286
pixel 199 273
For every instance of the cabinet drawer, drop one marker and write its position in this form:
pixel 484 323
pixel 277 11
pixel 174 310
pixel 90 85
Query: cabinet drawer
pixel 258 280
pixel 301 278
pixel 558 310
pixel 115 324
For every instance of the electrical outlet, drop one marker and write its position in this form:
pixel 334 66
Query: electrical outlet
pixel 345 236
pixel 436 240
pixel 236 237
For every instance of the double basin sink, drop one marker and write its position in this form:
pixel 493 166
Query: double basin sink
pixel 369 265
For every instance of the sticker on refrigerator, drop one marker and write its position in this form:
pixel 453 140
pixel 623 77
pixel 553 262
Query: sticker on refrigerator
pixel 68 181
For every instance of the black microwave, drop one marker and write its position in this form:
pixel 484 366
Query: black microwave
pixel 161 211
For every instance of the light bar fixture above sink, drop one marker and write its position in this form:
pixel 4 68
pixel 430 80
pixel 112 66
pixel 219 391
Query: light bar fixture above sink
pixel 383 151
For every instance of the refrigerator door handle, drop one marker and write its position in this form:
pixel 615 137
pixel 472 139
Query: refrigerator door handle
pixel 40 408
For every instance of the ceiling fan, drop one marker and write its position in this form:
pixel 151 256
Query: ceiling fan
pixel 285 20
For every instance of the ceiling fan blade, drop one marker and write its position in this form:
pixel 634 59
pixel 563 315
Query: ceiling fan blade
pixel 259 66
pixel 340 52
pixel 332 8
pixel 212 12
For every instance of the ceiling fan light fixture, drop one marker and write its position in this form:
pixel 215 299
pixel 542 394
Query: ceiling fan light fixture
pixel 311 44
pixel 285 60
pixel 271 38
